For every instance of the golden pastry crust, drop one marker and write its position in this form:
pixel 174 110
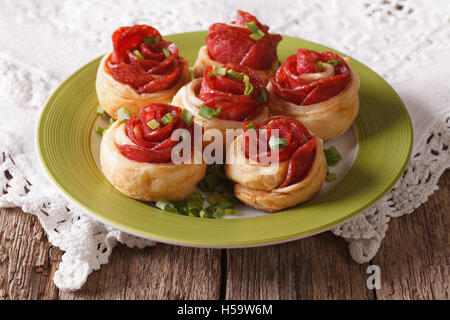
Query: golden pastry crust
pixel 187 97
pixel 256 183
pixel 204 60
pixel 146 181
pixel 113 95
pixel 328 119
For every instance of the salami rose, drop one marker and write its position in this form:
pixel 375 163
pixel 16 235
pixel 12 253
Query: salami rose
pixel 317 88
pixel 151 134
pixel 143 60
pixel 237 93
pixel 233 43
pixel 276 165
pixel 294 82
pixel 296 145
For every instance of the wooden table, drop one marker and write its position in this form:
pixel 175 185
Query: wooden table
pixel 413 258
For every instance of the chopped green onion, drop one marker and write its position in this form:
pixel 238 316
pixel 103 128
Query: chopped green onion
pixel 166 206
pixel 262 96
pixel 250 126
pixel 330 177
pixel 138 54
pixel 217 71
pixel 123 114
pixel 252 26
pixel 99 130
pixel 166 119
pixel 257 33
pixel 100 111
pixel 230 211
pixel 225 204
pixel 248 86
pixel 153 124
pixel 111 121
pixel 187 117
pixel 235 74
pixel 166 52
pixel 319 65
pixel 334 62
pixel 217 113
pixel 269 122
pixel 151 40
pixel 194 204
pixel 214 198
pixel 204 214
pixel 277 143
pixel 332 155
pixel 218 213
pixel 207 112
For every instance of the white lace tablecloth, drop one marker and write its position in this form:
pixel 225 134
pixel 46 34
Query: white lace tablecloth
pixel 43 42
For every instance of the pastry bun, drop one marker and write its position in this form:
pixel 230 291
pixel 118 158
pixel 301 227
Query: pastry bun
pixel 145 181
pixel 113 95
pixel 256 183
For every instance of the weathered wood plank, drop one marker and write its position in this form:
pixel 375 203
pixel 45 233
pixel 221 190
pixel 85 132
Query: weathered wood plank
pixel 27 259
pixel 414 258
pixel 314 268
pixel 317 267
pixel 160 272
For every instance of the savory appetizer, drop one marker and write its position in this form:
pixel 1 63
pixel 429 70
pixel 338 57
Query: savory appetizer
pixel 136 156
pixel 245 41
pixel 319 89
pixel 142 68
pixel 225 98
pixel 294 173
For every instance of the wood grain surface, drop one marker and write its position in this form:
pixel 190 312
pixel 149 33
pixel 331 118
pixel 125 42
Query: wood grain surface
pixel 413 258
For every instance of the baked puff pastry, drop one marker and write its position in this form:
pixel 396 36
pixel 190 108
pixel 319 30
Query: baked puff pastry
pixel 276 165
pixel 136 156
pixel 142 68
pixel 318 89
pixel 225 98
pixel 245 41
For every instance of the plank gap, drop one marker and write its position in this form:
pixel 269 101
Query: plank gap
pixel 223 275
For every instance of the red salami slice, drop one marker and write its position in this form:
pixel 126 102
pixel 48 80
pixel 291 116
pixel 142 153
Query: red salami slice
pixel 227 93
pixel 231 43
pixel 149 71
pixel 299 150
pixel 153 145
pixel 289 86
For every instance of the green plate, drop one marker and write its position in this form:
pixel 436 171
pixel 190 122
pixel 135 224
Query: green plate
pixel 64 145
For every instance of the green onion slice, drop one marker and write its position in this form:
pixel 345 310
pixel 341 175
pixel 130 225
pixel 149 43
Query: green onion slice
pixel 166 52
pixel 319 65
pixel 99 130
pixel 207 112
pixel 123 114
pixel 166 119
pixel 250 126
pixel 218 71
pixel 153 124
pixel 100 111
pixel 332 155
pixel 257 33
pixel 235 74
pixel 151 40
pixel 166 206
pixel 252 26
pixel 277 143
pixel 138 54
pixel 187 117
pixel 334 62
